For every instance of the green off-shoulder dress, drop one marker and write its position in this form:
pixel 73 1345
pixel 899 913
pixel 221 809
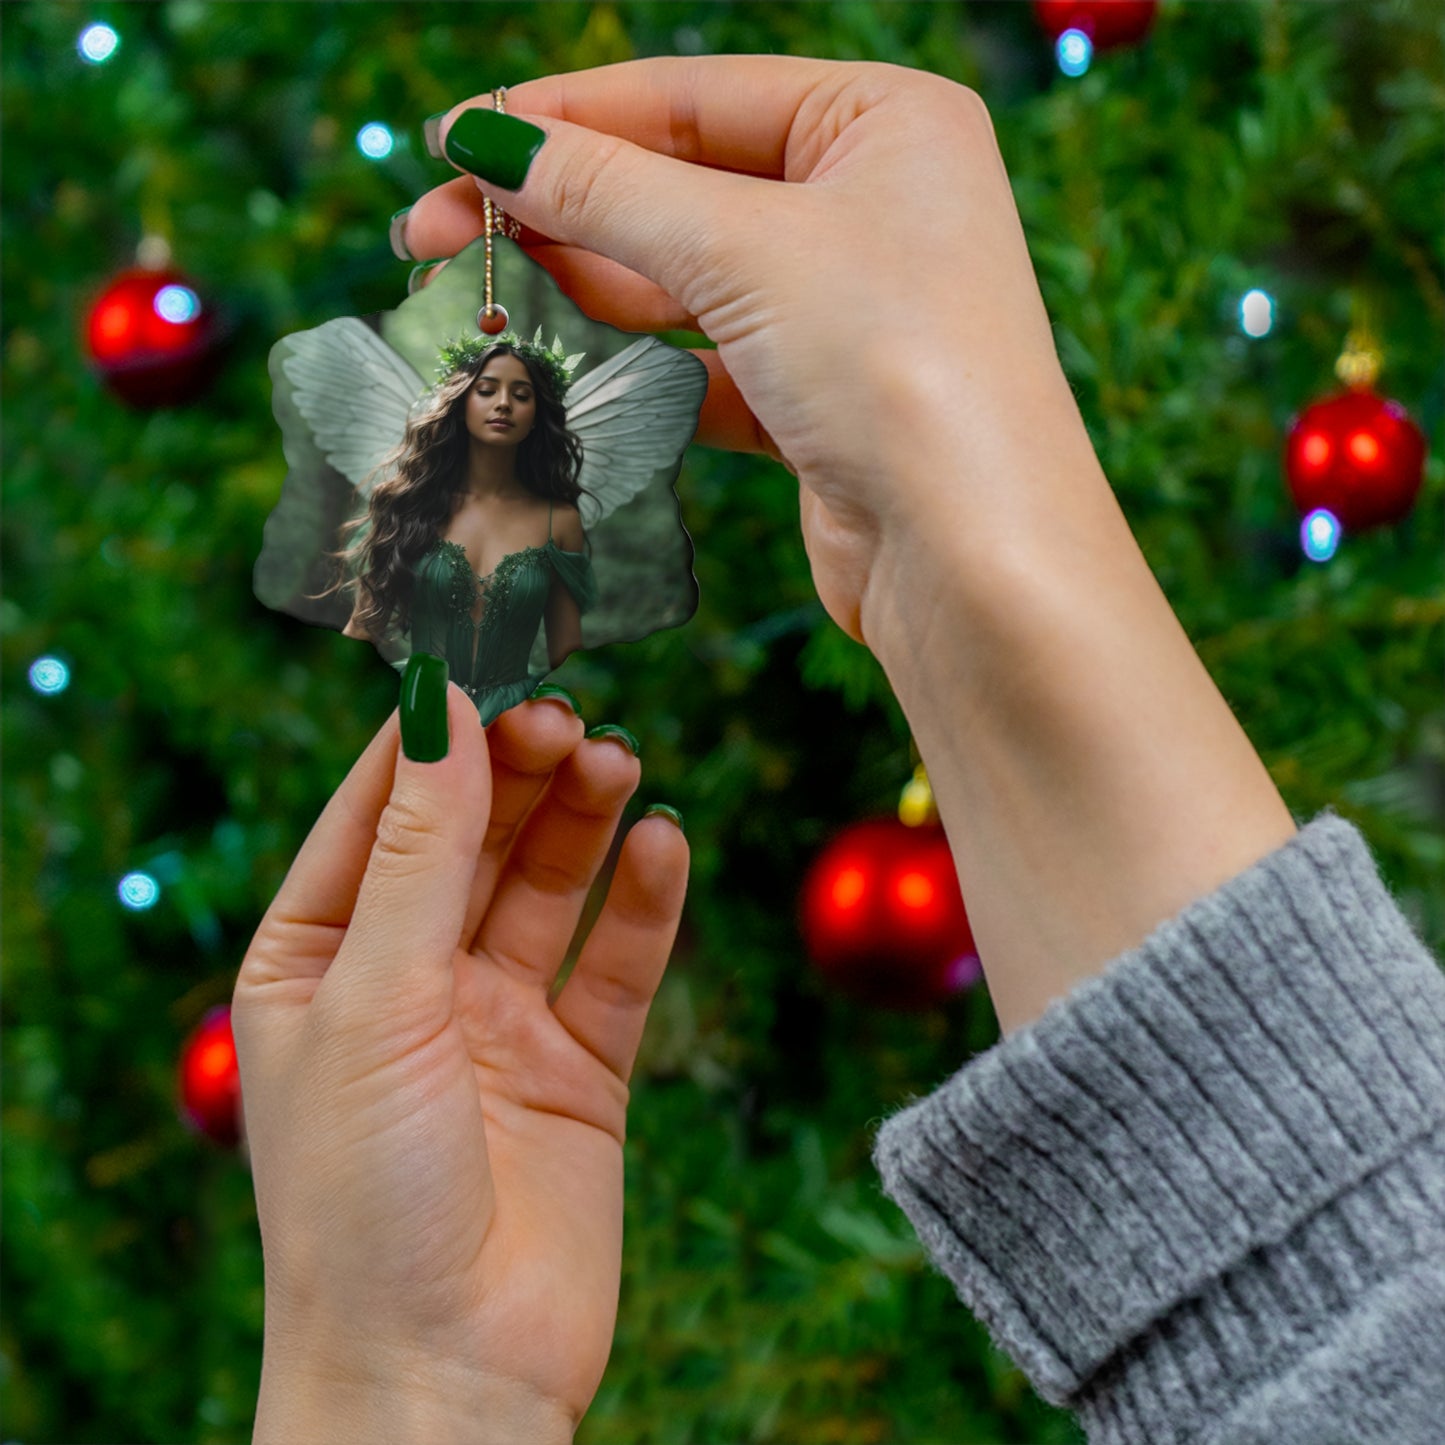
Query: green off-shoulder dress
pixel 492 660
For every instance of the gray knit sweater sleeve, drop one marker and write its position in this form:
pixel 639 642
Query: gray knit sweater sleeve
pixel 1202 1198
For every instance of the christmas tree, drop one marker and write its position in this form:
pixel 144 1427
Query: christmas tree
pixel 1214 209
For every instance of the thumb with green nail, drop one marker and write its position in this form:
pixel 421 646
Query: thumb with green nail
pixel 424 731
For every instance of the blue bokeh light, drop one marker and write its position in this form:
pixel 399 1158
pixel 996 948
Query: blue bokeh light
pixel 97 44
pixel 1074 52
pixel 138 891
pixel 177 304
pixel 1256 313
pixel 375 140
pixel 49 675
pixel 1319 535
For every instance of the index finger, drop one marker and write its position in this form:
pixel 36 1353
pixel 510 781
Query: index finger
pixel 743 113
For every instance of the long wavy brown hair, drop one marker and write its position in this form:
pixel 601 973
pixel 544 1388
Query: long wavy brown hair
pixel 410 508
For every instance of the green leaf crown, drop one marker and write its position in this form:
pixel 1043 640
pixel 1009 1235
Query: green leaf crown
pixel 550 359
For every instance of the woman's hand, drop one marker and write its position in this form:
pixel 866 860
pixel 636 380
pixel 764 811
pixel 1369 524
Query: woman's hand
pixel 847 235
pixel 437 1148
pixel 881 300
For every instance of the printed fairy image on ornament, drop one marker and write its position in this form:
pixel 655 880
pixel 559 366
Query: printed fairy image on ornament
pixel 498 501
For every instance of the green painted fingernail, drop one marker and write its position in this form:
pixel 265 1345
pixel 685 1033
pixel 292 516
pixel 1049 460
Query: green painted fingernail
pixel 413 281
pixel 667 812
pixel 614 730
pixel 550 689
pixel 431 133
pixel 424 733
pixel 498 148
pixel 396 233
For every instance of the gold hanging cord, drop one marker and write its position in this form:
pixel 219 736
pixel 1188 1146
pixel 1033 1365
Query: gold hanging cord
pixel 492 221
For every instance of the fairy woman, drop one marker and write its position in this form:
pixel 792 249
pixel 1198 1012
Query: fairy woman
pixel 475 538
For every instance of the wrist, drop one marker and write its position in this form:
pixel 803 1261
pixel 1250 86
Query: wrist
pixel 403 1398
pixel 1092 779
pixel 979 515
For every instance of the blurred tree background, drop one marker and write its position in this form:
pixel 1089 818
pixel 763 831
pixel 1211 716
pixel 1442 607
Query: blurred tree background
pixel 770 1292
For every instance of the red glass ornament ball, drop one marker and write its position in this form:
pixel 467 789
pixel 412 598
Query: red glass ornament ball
pixel 883 918
pixel 1107 23
pixel 1358 455
pixel 210 1080
pixel 152 338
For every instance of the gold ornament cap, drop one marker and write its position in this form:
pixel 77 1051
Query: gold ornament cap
pixel 915 804
pixel 1360 362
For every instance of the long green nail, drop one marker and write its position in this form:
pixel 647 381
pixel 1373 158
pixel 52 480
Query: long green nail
pixel 413 280
pixel 396 234
pixel 667 811
pixel 550 689
pixel 498 148
pixel 424 733
pixel 615 730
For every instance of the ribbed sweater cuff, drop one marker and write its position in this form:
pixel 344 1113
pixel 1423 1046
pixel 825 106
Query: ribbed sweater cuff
pixel 1213 1107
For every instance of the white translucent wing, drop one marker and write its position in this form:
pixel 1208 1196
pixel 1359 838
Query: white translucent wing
pixel 354 393
pixel 634 415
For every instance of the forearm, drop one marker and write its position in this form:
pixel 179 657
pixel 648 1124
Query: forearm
pixel 1091 778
